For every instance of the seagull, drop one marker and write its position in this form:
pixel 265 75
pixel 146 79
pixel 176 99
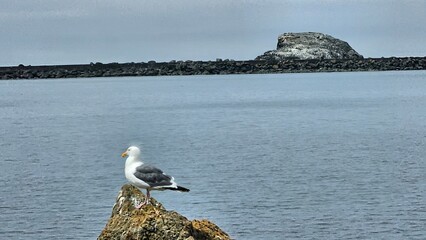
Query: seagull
pixel 145 176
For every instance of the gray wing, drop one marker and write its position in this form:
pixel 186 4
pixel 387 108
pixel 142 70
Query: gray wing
pixel 152 176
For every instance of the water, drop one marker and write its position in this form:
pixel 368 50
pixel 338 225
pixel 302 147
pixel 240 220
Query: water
pixel 293 156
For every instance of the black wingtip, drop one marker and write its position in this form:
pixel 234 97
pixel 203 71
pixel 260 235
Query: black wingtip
pixel 178 188
pixel 182 189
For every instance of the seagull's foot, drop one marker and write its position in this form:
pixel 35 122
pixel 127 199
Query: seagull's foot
pixel 140 205
pixel 146 202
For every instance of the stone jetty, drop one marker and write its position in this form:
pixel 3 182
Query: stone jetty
pixel 213 68
pixel 295 53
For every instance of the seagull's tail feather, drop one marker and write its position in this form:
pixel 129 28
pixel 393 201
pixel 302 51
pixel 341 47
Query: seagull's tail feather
pixel 178 188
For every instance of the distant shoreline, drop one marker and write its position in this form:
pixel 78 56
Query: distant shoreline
pixel 217 67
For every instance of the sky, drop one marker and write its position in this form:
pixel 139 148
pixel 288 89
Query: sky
pixel 48 32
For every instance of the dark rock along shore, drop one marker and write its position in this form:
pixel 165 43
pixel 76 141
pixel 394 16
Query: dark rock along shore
pixel 295 53
pixel 154 221
pixel 213 68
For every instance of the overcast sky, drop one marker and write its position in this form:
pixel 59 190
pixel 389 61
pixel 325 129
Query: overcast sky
pixel 39 32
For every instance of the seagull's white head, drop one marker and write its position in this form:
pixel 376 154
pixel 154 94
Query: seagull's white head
pixel 132 152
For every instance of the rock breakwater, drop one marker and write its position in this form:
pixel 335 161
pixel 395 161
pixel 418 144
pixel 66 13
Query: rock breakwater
pixel 212 67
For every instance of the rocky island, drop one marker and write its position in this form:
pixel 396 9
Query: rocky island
pixel 295 53
pixel 154 221
pixel 309 45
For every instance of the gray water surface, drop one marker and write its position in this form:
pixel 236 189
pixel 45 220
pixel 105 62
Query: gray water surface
pixel 292 156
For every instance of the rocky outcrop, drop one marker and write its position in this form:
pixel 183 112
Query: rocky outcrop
pixel 309 45
pixel 154 221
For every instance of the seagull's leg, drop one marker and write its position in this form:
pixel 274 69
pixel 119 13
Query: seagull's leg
pixel 145 202
pixel 148 196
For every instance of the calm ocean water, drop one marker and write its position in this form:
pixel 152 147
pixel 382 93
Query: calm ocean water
pixel 293 156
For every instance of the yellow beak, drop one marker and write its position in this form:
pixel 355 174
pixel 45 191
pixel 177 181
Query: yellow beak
pixel 124 154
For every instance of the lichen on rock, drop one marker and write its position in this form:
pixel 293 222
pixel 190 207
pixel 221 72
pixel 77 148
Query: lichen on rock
pixel 310 45
pixel 154 221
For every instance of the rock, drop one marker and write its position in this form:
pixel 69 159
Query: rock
pixel 309 45
pixel 153 221
pixel 270 65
